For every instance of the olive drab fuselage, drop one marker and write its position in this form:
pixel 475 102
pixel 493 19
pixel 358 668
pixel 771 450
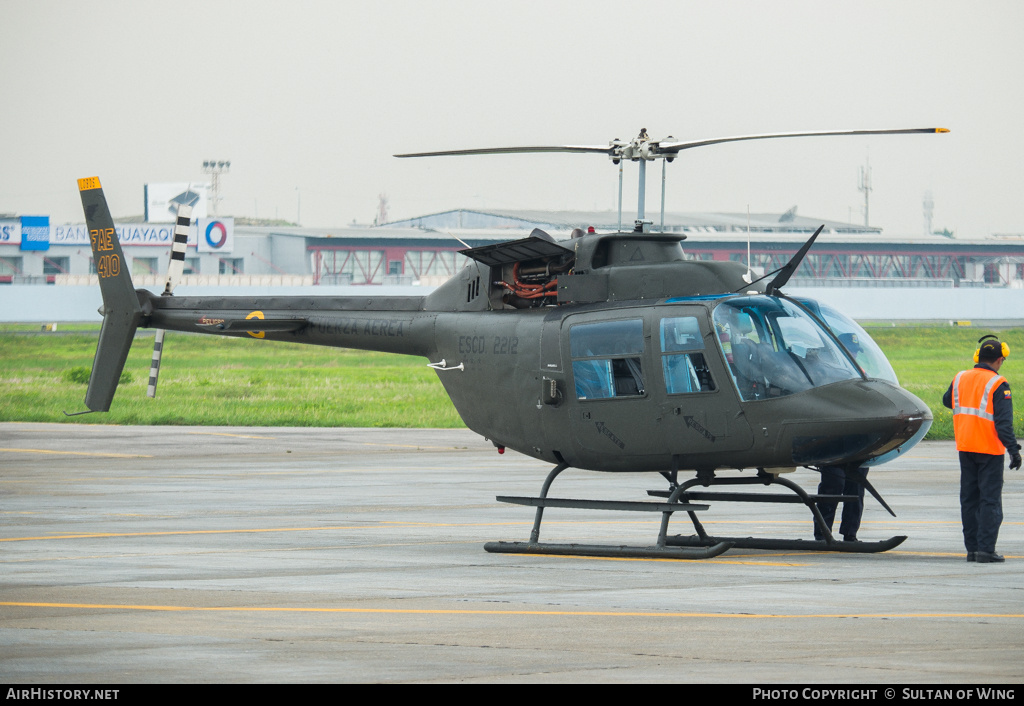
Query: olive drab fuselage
pixel 632 367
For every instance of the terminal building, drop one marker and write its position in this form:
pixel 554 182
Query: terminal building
pixel 424 250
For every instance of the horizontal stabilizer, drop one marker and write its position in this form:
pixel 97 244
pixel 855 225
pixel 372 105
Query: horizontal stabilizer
pixel 257 324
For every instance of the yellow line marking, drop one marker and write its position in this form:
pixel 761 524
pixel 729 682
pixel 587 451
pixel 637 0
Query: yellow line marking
pixel 99 535
pixel 75 453
pixel 239 436
pixel 452 611
pixel 755 559
pixel 417 446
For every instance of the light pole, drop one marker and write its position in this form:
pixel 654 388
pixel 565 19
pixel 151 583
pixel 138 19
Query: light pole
pixel 215 168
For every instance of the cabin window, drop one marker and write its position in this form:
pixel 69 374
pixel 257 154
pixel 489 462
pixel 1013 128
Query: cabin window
pixel 774 348
pixel 682 357
pixel 607 359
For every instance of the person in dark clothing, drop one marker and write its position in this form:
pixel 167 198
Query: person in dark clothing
pixel 983 425
pixel 834 481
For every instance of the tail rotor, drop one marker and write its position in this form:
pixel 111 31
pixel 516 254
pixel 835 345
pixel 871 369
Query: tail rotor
pixel 174 273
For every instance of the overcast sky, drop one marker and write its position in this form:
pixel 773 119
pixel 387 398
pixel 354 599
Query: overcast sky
pixel 309 100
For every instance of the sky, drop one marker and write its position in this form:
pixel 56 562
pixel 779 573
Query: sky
pixel 310 100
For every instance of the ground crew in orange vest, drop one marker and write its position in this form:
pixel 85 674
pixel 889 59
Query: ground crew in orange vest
pixel 983 425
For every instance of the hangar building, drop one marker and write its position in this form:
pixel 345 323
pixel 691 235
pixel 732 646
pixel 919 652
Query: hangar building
pixel 424 250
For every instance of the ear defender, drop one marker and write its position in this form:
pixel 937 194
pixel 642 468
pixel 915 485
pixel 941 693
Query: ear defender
pixel 995 347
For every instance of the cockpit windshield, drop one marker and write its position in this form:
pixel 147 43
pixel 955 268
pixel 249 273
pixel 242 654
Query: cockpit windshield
pixel 774 348
pixel 861 346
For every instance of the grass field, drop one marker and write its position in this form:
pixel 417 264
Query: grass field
pixel 209 380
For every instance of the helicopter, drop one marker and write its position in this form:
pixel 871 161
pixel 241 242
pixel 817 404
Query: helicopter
pixel 606 352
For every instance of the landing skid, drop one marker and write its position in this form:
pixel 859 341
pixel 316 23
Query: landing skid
pixel 680 499
pixel 682 494
pixel 805 545
pixel 661 550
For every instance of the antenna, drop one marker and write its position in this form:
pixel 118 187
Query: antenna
pixel 929 208
pixel 865 186
pixel 748 278
pixel 467 246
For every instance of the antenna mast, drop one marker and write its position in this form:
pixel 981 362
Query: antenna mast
pixel 865 186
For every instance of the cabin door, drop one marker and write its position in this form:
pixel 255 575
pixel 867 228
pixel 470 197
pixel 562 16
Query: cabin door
pixel 614 410
pixel 700 410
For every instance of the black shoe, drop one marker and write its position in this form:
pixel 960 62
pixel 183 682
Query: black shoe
pixel 972 556
pixel 850 538
pixel 988 558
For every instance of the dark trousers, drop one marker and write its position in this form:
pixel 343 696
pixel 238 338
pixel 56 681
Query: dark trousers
pixel 835 482
pixel 981 499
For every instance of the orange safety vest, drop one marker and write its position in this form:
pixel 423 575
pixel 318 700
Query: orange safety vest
pixel 974 422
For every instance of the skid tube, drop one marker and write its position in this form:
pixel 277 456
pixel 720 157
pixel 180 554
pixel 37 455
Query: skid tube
pixel 703 539
pixel 662 550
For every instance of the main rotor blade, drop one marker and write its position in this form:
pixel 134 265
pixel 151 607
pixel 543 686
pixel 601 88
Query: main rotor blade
pixel 592 149
pixel 790 267
pixel 675 147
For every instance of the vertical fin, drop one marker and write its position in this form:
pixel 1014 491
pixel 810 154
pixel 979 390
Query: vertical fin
pixel 115 281
pixel 121 310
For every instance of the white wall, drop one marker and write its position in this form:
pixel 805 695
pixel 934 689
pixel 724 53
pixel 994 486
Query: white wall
pixel 38 303
pixel 924 303
pixel 45 304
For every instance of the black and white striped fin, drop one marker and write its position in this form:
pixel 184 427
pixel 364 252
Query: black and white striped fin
pixel 175 268
pixel 154 366
pixel 178 248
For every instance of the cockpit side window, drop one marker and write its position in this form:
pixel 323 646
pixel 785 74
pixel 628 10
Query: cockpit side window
pixel 606 359
pixel 682 358
pixel 775 349
pixel 856 340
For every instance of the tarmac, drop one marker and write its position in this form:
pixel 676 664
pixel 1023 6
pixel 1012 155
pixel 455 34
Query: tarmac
pixel 138 555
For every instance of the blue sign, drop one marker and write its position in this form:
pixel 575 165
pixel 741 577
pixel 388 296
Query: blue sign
pixel 35 232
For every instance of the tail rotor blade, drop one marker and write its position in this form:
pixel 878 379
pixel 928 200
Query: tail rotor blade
pixel 154 366
pixel 175 268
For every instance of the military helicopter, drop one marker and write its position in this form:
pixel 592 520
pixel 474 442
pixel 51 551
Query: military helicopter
pixel 605 352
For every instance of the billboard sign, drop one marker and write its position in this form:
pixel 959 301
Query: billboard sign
pixel 162 200
pixel 127 234
pixel 35 232
pixel 216 235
